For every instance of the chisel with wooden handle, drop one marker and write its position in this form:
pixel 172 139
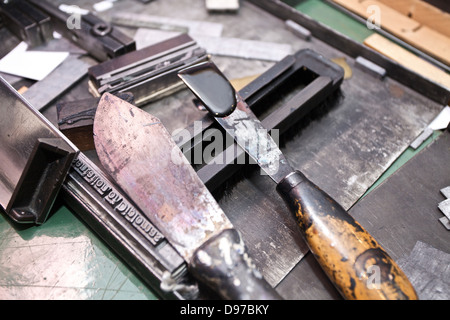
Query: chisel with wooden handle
pixel 353 260
pixel 140 155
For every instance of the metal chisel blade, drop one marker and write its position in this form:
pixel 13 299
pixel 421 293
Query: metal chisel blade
pixel 208 83
pixel 249 134
pixel 140 155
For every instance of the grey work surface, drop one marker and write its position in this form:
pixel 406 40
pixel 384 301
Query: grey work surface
pixel 428 269
pixel 344 151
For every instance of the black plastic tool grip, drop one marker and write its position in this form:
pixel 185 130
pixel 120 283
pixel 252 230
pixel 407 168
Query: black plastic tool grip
pixel 222 263
pixel 353 260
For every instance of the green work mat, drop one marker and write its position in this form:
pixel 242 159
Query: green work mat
pixel 337 20
pixel 62 259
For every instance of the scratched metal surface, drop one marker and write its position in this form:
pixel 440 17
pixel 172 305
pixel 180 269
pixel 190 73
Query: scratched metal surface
pixel 344 152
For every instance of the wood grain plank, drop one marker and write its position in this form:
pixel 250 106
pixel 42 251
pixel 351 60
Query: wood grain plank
pixel 407 59
pixel 424 13
pixel 405 28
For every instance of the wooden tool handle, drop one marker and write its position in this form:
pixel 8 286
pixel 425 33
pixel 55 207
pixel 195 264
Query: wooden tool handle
pixel 353 260
pixel 222 263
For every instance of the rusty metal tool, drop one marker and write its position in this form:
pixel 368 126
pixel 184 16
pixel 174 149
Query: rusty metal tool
pixel 348 254
pixel 137 151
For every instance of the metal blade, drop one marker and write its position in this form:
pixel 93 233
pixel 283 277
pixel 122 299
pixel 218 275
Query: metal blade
pixel 140 155
pixel 250 135
pixel 211 86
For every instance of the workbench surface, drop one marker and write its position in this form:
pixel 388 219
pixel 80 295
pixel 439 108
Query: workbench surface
pixel 344 151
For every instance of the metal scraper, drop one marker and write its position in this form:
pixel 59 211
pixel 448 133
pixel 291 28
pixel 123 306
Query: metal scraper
pixel 137 151
pixel 353 260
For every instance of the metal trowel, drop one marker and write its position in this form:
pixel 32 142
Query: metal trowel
pixel 139 154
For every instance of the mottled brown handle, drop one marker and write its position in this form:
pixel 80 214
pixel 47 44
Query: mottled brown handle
pixel 223 264
pixel 353 260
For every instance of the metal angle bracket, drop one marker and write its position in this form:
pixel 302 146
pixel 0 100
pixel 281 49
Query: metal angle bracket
pixel 41 180
pixel 35 159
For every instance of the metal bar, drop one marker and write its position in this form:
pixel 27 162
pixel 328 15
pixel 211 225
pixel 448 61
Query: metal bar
pixel 246 49
pixel 298 30
pixel 20 24
pixel 43 92
pixel 370 67
pixel 192 27
pixel 43 20
pixel 222 5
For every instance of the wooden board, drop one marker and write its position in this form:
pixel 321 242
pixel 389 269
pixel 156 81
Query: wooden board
pixel 424 13
pixel 407 59
pixel 412 31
